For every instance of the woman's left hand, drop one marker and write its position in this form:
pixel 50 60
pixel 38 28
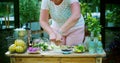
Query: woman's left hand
pixel 58 38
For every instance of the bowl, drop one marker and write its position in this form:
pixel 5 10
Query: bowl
pixel 66 51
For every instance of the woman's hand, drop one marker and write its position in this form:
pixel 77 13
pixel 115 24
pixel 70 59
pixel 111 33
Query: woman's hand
pixel 56 37
pixel 52 37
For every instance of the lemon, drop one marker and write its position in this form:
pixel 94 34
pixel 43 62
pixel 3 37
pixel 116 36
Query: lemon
pixel 19 42
pixel 12 48
pixel 19 49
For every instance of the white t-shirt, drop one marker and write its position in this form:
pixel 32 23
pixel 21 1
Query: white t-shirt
pixel 60 13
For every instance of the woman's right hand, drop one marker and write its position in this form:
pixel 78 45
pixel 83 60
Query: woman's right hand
pixel 52 37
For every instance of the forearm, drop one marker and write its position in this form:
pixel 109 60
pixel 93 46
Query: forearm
pixel 44 17
pixel 70 23
pixel 46 27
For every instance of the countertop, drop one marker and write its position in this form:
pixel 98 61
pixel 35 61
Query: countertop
pixel 54 54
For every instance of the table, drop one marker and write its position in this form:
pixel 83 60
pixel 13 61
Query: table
pixel 55 57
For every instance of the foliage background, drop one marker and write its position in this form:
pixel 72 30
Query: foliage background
pixel 113 11
pixel 29 10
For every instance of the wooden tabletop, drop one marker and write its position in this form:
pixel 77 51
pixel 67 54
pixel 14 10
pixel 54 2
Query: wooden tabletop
pixel 55 54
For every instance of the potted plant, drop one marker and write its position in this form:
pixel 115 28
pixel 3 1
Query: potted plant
pixel 29 11
pixel 94 28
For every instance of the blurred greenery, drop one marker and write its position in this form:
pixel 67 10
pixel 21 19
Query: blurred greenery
pixel 93 25
pixel 113 14
pixel 29 11
pixel 6 8
pixel 2 9
pixel 91 4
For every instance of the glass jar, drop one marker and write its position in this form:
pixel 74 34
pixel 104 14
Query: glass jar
pixel 19 33
pixel 91 47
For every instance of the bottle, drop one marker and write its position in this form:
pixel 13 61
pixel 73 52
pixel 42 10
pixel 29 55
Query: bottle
pixel 86 42
pixel 99 48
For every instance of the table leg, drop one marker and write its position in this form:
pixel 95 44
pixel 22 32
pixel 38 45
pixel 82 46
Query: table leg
pixel 98 60
pixel 12 60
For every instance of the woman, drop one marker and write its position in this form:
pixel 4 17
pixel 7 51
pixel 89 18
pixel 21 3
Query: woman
pixel 67 22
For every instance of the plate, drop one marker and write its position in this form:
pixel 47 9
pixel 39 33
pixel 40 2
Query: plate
pixel 36 52
pixel 78 52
